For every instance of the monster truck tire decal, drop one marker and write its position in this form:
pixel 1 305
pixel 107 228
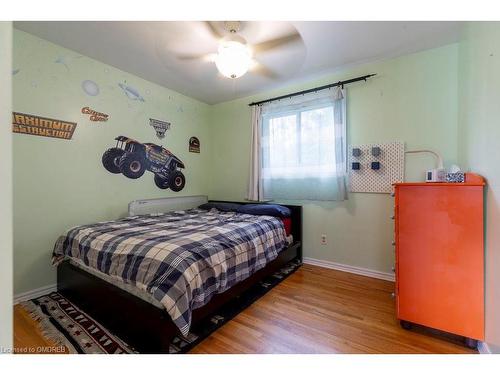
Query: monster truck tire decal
pixel 132 165
pixel 162 183
pixel 177 181
pixel 111 159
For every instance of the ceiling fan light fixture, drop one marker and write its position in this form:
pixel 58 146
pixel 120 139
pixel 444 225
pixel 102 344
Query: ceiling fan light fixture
pixel 233 58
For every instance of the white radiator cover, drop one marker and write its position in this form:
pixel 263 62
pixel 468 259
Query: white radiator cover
pixel 162 205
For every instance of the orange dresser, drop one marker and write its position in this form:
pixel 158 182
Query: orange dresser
pixel 440 256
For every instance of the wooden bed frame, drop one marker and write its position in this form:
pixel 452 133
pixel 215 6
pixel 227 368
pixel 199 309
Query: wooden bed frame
pixel 145 327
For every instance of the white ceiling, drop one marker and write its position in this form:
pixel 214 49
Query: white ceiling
pixel 151 50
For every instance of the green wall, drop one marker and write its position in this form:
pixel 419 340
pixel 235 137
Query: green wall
pixel 479 136
pixel 61 183
pixel 6 187
pixel 413 99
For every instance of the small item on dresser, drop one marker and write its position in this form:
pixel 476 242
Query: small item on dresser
pixel 435 175
pixel 455 177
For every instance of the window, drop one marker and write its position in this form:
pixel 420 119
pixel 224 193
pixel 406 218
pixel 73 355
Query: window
pixel 299 144
pixel 303 148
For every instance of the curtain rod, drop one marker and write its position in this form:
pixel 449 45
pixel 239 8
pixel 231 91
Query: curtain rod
pixel 339 83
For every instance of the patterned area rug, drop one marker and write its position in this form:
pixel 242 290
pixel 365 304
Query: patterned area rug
pixel 66 324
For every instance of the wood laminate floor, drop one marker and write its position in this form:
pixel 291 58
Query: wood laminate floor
pixel 315 310
pixel 27 336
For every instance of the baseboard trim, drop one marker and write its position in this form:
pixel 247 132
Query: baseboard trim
pixel 350 269
pixel 483 348
pixel 35 293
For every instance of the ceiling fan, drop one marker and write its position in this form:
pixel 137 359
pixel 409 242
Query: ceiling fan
pixel 234 56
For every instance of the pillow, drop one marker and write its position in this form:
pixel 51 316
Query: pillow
pixel 265 209
pixel 221 206
pixel 287 222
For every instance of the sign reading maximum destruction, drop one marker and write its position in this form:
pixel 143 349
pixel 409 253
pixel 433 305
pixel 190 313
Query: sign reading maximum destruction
pixel 42 126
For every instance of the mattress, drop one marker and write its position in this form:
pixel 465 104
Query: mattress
pixel 179 259
pixel 129 288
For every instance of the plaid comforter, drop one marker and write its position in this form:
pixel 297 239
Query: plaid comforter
pixel 182 258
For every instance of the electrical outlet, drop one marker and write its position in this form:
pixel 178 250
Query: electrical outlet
pixel 323 239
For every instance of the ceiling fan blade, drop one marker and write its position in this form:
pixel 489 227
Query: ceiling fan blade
pixel 193 57
pixel 264 71
pixel 213 30
pixel 274 43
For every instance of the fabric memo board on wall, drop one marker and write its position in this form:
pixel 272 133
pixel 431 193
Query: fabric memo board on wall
pixel 391 163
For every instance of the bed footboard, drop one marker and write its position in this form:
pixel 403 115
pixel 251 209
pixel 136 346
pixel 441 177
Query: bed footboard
pixel 145 327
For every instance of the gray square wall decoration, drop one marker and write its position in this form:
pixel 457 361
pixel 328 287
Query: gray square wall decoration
pixel 356 152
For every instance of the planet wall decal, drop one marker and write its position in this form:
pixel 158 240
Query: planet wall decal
pixel 90 87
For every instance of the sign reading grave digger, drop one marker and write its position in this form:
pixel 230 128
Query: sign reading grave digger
pixel 42 126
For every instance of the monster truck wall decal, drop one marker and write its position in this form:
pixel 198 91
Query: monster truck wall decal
pixel 133 158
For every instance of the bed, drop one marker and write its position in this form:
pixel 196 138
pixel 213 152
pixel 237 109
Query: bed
pixel 166 266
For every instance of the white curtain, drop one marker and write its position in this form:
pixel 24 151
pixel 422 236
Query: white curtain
pixel 255 192
pixel 299 148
